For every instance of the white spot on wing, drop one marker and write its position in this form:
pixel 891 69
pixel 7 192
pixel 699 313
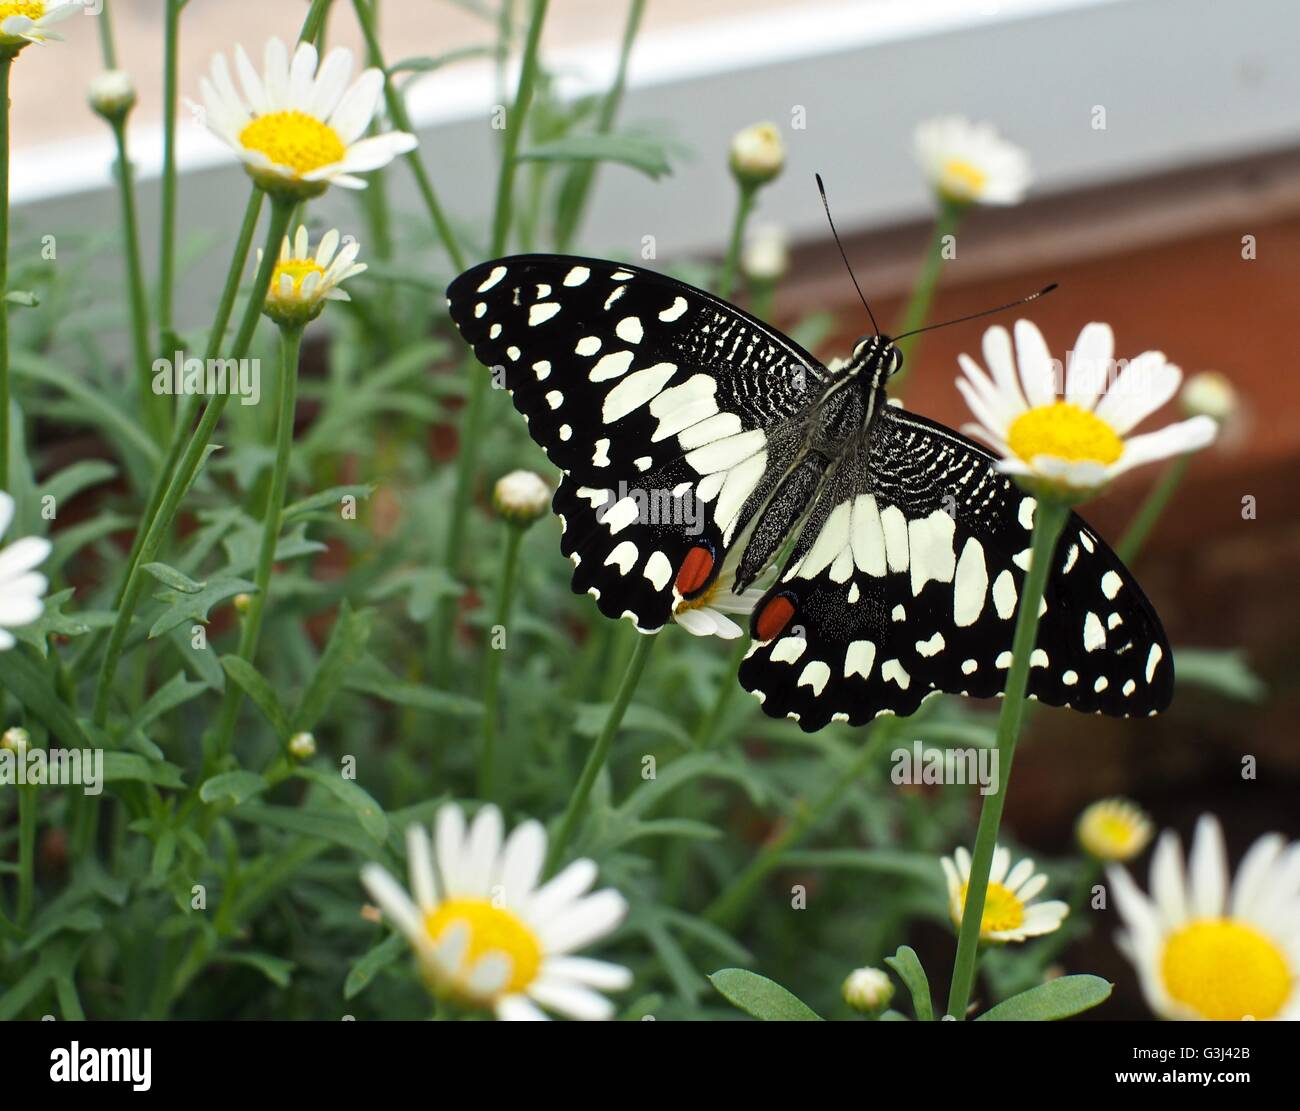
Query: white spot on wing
pixel 815 675
pixel 1153 658
pixel 635 390
pixel 859 657
pixel 555 399
pixel 610 366
pixel 1110 584
pixel 623 556
pixel 930 544
pixel 498 272
pixel 658 570
pixel 931 647
pixel 629 329
pixel 788 650
pixel 674 310
pixel 1004 595
pixel 587 346
pixel 970 584
pixel 576 276
pixel 542 312
pixel 1094 634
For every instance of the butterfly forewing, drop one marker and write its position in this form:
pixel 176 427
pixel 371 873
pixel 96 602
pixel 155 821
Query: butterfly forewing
pixel 671 413
pixel 905 580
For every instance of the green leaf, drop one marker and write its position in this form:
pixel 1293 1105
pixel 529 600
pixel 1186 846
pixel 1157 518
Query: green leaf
pixel 908 966
pixel 175 692
pixel 368 812
pixel 371 677
pixel 345 647
pixel 53 622
pixel 368 966
pixel 325 499
pixel 309 823
pixel 119 766
pixel 881 862
pixel 591 717
pixel 427 64
pixel 188 607
pixel 24 297
pixel 237 786
pixel 250 681
pixel 169 576
pixel 760 997
pixel 275 969
pixel 1056 999
pixel 640 152
pixel 32 687
pixel 1224 671
pixel 70 481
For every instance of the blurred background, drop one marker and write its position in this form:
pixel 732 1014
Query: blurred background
pixel 1173 213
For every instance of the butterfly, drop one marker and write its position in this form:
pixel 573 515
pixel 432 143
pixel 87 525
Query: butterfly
pixel 698 445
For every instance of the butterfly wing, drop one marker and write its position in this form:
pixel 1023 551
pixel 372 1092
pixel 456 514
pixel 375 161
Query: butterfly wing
pixel 905 579
pixel 671 413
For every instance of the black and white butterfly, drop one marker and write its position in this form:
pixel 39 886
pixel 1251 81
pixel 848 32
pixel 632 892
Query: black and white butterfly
pixel 687 431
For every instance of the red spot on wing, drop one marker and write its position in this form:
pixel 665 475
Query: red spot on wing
pixel 695 570
pixel 774 617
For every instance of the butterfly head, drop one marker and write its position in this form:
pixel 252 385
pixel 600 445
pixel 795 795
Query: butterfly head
pixel 875 360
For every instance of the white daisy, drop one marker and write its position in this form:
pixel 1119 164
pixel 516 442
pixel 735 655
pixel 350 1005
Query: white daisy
pixel 296 128
pixel 1075 444
pixel 488 932
pixel 1208 948
pixel 26 21
pixel 1114 829
pixel 304 280
pixel 969 162
pixel 706 614
pixel 1010 913
pixel 21 585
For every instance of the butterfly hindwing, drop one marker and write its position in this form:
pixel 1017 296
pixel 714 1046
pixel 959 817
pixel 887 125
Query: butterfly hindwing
pixel 905 579
pixel 671 413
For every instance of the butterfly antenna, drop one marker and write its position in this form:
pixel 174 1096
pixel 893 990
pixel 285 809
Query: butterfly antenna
pixel 826 205
pixel 986 312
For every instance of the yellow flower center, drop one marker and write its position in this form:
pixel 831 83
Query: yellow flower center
pixel 1002 910
pixel 297 269
pixel 963 180
pixel 1063 430
pixel 294 139
pixel 491 930
pixel 32 9
pixel 1226 970
pixel 1112 834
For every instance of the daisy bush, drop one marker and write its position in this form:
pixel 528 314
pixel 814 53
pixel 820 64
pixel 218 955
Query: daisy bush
pixel 279 569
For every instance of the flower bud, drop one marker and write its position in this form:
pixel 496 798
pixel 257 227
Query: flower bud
pixel 766 257
pixel 242 602
pixel 15 739
pixel 868 990
pixel 757 154
pixel 1209 394
pixel 112 94
pixel 302 746
pixel 1114 829
pixel 521 497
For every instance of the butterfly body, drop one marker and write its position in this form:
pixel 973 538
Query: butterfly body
pixel 698 444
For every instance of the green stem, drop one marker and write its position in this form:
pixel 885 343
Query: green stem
pixel 579 186
pixel 706 732
pixel 744 205
pixel 250 632
pixel 487 766
pixel 107 48
pixel 6 65
pixel 402 120
pixel 1147 517
pixel 726 909
pixel 1049 520
pixel 599 753
pixel 27 799
pixel 167 210
pixel 189 463
pixel 152 405
pixel 476 404
pixel 927 281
